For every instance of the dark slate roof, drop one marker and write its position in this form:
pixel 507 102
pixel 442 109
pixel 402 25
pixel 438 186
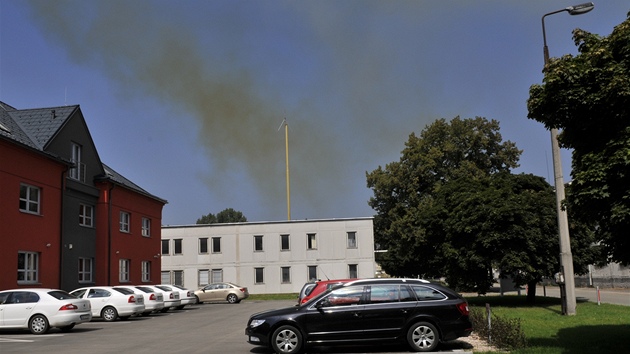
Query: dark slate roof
pixel 119 179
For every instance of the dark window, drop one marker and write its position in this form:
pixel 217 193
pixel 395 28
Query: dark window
pixel 258 243
pixel 177 248
pixel 259 275
pixel 165 250
pixel 284 242
pixel 216 245
pixel 203 245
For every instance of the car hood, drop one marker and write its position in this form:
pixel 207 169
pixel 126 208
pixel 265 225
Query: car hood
pixel 276 312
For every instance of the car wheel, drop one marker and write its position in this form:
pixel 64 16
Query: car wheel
pixel 423 337
pixel 38 324
pixel 164 310
pixel 286 340
pixel 109 314
pixel 180 307
pixel 66 328
pixel 232 299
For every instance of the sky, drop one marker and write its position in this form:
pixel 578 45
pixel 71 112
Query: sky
pixel 188 98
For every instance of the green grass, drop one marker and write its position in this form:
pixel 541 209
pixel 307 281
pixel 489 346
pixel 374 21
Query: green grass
pixel 596 328
pixel 291 296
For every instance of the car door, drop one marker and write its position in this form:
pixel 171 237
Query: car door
pixel 18 308
pixel 387 310
pixel 219 292
pixel 337 316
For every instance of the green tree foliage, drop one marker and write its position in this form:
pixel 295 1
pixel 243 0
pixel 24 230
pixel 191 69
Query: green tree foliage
pixel 450 207
pixel 587 97
pixel 225 216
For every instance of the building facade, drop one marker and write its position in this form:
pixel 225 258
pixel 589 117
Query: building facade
pixel 268 257
pixel 66 219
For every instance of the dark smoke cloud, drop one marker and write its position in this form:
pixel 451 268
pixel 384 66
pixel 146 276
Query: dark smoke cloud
pixel 350 92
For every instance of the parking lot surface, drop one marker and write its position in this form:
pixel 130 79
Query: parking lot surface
pixel 203 328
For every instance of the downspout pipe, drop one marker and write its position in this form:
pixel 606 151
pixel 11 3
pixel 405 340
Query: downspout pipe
pixel 109 234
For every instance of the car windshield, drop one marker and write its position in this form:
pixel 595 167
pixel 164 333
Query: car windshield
pixel 124 291
pixel 165 288
pixel 145 289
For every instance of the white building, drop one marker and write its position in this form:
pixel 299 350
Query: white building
pixel 268 257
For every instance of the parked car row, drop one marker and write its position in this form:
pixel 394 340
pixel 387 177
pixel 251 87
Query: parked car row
pixel 39 309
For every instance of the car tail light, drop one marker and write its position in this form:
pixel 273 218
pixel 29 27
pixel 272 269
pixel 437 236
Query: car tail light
pixel 463 308
pixel 152 297
pixel 189 294
pixel 131 299
pixel 68 307
pixel 172 296
pixel 243 289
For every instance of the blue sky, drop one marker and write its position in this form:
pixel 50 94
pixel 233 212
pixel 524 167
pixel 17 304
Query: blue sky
pixel 186 98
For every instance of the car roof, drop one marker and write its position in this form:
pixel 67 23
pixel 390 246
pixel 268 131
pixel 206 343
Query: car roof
pixel 389 281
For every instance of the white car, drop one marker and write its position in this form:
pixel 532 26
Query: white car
pixel 109 303
pixel 153 301
pixel 186 297
pixel 171 298
pixel 40 309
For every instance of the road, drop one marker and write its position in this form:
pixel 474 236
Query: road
pixel 609 296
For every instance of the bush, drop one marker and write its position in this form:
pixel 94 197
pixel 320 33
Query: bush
pixel 505 333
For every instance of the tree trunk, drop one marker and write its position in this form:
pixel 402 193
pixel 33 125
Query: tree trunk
pixel 531 292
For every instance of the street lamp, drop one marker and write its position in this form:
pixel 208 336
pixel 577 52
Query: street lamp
pixel 567 280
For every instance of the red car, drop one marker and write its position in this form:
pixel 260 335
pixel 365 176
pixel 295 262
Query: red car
pixel 309 290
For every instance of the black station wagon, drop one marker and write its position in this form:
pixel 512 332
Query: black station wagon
pixel 415 311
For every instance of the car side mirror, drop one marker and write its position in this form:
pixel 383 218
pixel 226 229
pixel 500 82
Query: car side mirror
pixel 322 303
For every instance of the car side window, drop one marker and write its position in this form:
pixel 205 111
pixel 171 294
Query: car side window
pixel 424 293
pixel 344 297
pixel 4 297
pixel 98 293
pixel 380 294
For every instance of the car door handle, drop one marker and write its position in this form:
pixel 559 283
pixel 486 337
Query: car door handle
pixel 356 314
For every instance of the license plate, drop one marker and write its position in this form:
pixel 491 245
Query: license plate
pixel 85 317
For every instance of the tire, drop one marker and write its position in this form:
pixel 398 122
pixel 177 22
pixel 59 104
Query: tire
pixel 180 307
pixel 109 314
pixel 38 324
pixel 423 337
pixel 66 329
pixel 164 310
pixel 232 299
pixel 286 340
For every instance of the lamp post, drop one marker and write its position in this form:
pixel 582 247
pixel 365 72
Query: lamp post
pixel 566 279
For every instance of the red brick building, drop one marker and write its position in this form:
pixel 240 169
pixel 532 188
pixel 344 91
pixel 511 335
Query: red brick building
pixel 66 219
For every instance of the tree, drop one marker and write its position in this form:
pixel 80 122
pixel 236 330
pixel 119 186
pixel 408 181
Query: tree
pixel 587 97
pixel 451 208
pixel 225 216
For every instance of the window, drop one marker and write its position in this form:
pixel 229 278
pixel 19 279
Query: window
pixel 311 241
pixel 124 221
pixel 146 227
pixel 353 271
pixel 178 277
pixel 425 293
pixel 217 275
pixel 123 272
pixel 258 243
pixel 216 245
pixel 286 275
pixel 85 270
pixel 177 247
pixel 203 245
pixel 165 250
pixel 202 277
pixel 259 275
pixel 312 273
pixel 352 239
pixel 165 277
pixel 86 215
pixel 28 267
pixel 78 171
pixel 284 243
pixel 29 199
pixel 146 271
pixel 384 293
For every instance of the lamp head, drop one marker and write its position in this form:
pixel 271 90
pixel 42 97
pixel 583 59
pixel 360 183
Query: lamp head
pixel 580 9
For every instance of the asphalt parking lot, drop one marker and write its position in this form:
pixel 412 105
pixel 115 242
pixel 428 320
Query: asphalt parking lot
pixel 204 328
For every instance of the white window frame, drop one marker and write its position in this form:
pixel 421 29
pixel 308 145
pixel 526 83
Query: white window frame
pixel 216 275
pixel 203 277
pixel 123 270
pixel 285 271
pixel 353 271
pixel 352 239
pixel 125 220
pixel 28 272
pixel 214 248
pixel 146 227
pixel 178 277
pixel 203 243
pixel 262 246
pixel 178 243
pixel 30 203
pixel 311 241
pixel 288 238
pixel 86 215
pixel 85 270
pixel 146 271
pixel 259 275
pixel 308 272
pixel 78 171
pixel 166 243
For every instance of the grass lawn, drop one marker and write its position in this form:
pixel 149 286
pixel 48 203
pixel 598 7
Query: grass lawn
pixel 596 328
